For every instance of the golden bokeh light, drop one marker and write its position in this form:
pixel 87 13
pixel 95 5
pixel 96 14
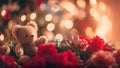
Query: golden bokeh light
pixel 1 37
pixel 23 17
pixel 95 14
pixel 59 37
pixel 89 32
pixel 104 26
pixel 69 7
pixel 68 24
pixel 93 2
pixel 55 8
pixel 3 12
pixel 102 6
pixel 33 16
pixel 81 3
pixel 50 27
pixel 48 17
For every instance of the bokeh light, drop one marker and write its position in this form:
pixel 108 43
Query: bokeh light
pixel 59 37
pixel 50 27
pixel 93 2
pixel 71 8
pixel 67 24
pixel 33 16
pixel 3 12
pixel 104 26
pixel 81 3
pixel 1 37
pixel 23 17
pixel 95 14
pixel 102 6
pixel 89 32
pixel 55 8
pixel 48 17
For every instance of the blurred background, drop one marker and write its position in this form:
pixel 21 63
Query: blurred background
pixel 62 19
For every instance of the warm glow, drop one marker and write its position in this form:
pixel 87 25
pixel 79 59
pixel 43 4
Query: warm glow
pixel 102 6
pixel 95 14
pixel 48 17
pixel 1 37
pixel 81 3
pixel 3 12
pixel 55 8
pixel 104 26
pixel 93 2
pixel 59 37
pixel 33 16
pixel 89 32
pixel 23 18
pixel 50 27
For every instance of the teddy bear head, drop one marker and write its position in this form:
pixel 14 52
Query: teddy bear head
pixel 25 34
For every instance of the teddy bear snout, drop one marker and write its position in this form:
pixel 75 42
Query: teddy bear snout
pixel 32 35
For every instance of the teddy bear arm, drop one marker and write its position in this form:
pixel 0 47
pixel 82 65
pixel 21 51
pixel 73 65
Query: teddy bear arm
pixel 19 50
pixel 40 40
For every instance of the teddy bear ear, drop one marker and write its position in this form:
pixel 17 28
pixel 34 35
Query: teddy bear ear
pixel 33 24
pixel 15 30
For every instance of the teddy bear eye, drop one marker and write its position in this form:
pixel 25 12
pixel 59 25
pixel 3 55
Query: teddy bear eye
pixel 26 36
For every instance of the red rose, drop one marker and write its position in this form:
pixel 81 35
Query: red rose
pixel 7 62
pixel 82 43
pixel 117 57
pixel 102 59
pixel 47 51
pixel 66 59
pixel 96 44
pixel 36 62
pixel 107 48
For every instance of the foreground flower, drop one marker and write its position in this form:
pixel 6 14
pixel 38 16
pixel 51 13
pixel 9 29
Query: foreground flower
pixel 47 51
pixel 102 59
pixel 7 62
pixel 36 62
pixel 66 59
pixel 96 44
pixel 107 48
pixel 117 57
pixel 82 43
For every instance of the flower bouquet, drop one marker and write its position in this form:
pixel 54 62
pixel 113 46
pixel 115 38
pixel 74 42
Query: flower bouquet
pixel 80 52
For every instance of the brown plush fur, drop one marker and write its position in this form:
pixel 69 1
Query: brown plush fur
pixel 26 37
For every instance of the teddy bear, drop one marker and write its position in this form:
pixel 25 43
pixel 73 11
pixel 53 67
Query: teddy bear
pixel 27 40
